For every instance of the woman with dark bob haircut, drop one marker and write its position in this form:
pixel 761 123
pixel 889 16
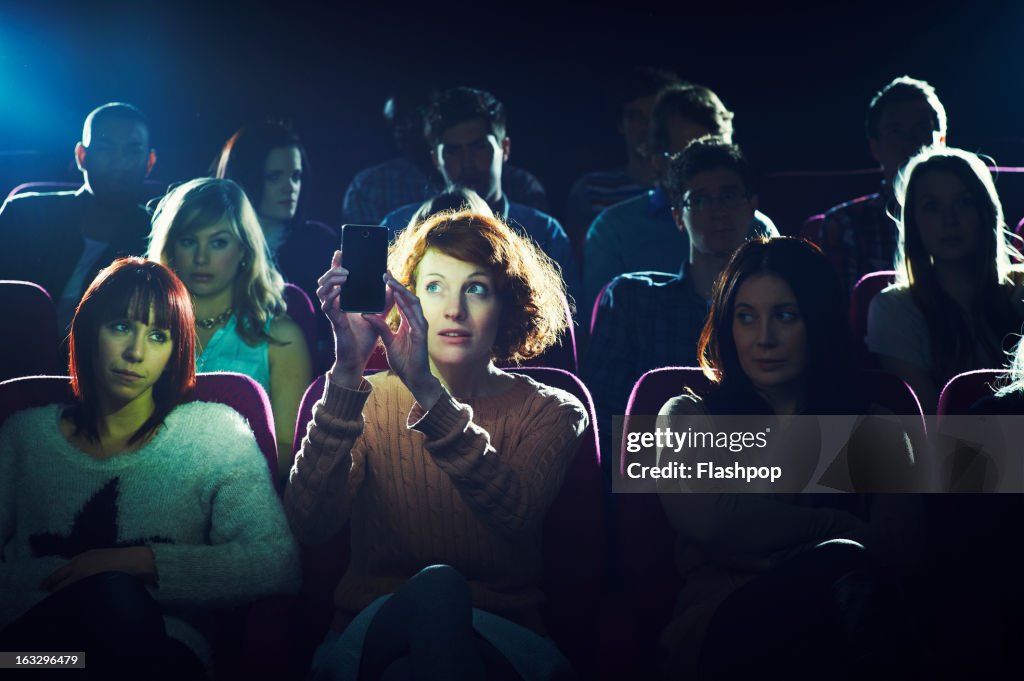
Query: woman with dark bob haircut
pixel 443 459
pixel 765 570
pixel 129 515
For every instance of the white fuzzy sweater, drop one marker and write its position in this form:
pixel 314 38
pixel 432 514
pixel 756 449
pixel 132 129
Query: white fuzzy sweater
pixel 198 494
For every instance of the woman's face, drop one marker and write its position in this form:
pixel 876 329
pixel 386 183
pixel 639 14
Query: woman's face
pixel 208 260
pixel 130 358
pixel 947 216
pixel 282 183
pixel 461 307
pixel 769 331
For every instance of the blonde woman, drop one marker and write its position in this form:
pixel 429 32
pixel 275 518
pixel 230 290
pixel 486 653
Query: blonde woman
pixel 207 231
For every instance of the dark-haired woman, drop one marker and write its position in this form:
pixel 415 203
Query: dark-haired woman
pixel 775 344
pixel 127 516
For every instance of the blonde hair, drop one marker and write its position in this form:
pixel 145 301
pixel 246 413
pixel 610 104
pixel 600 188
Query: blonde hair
pixel 528 282
pixel 258 293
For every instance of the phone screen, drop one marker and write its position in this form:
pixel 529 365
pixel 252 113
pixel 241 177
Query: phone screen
pixel 365 255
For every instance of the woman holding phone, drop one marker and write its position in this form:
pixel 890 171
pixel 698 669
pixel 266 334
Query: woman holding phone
pixel 445 466
pixel 207 232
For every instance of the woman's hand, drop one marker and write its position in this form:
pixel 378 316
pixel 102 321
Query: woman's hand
pixel 134 560
pixel 407 347
pixel 354 335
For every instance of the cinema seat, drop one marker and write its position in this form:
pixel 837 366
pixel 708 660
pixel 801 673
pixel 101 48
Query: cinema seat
pixel 32 348
pixel 302 312
pixel 574 544
pixel 963 390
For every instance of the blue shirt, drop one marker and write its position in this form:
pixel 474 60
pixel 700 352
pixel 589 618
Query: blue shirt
pixel 540 227
pixel 639 235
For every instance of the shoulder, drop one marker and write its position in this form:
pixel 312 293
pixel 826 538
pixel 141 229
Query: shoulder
pixel 894 298
pixel 399 217
pixel 40 202
pixel 687 404
pixel 37 422
pixel 284 329
pixel 548 401
pixel 845 210
pixel 633 285
pixel 210 423
pixel 531 217
pixel 763 225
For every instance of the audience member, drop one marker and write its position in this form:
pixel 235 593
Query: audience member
pixel 1009 399
pixel 207 231
pixel 760 571
pixel 470 147
pixel 634 95
pixel 639 234
pixel 269 162
pixel 129 515
pixel 956 297
pixel 645 321
pixel 442 458
pixel 859 236
pixel 455 199
pixel 413 177
pixel 60 240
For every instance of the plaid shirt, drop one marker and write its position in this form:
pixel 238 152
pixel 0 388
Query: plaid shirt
pixel 859 237
pixel 645 320
pixel 377 191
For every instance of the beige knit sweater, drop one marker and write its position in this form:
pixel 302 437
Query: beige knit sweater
pixel 466 484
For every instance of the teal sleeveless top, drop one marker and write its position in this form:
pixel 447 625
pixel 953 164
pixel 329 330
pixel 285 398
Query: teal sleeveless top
pixel 226 351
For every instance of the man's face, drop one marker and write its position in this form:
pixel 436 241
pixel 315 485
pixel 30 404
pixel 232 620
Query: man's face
pixel 716 212
pixel 470 156
pixel 117 159
pixel 904 127
pixel 636 123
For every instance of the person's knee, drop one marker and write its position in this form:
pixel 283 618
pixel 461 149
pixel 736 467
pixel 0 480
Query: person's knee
pixel 440 579
pixel 120 606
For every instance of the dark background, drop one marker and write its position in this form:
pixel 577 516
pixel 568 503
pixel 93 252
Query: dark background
pixel 798 79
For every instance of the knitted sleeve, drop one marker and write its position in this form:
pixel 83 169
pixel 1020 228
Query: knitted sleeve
pixel 250 553
pixel 19 579
pixel 511 489
pixel 328 469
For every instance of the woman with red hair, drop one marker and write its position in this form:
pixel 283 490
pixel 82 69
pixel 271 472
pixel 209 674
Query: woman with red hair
pixel 128 515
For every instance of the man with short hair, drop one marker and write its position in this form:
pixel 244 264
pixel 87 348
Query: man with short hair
pixel 469 148
pixel 639 234
pixel 652 319
pixel 380 189
pixel 634 95
pixel 60 240
pixel 859 236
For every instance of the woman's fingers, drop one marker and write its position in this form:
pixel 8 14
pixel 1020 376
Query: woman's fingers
pixel 379 325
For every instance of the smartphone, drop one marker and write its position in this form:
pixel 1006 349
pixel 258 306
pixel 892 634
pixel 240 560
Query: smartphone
pixel 364 253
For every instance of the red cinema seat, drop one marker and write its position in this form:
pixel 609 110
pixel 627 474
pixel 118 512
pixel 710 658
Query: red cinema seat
pixel 574 543
pixel 811 229
pixel 302 312
pixel 963 390
pixel 31 346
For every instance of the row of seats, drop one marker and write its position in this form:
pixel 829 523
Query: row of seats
pixel 584 543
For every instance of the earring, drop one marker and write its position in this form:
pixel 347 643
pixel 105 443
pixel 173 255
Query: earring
pixel 243 264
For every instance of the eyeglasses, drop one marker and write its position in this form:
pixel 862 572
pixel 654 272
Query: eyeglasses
pixel 698 203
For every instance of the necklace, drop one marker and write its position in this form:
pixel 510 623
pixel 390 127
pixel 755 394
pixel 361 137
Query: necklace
pixel 211 322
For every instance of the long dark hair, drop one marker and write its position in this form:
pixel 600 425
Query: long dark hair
pixel 244 156
pixel 830 386
pixel 132 287
pixel 953 336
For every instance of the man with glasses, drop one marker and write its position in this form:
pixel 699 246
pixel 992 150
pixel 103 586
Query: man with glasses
pixel 60 240
pixel 648 320
pixel 466 128
pixel 639 234
pixel 859 236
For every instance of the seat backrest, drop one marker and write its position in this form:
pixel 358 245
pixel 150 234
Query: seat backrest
pixel 239 392
pixel 811 229
pixel 597 306
pixel 963 390
pixel 300 309
pixel 574 534
pixel 33 346
pixel 866 288
pixel 788 197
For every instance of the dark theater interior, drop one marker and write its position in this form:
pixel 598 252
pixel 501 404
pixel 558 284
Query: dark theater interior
pixel 230 451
